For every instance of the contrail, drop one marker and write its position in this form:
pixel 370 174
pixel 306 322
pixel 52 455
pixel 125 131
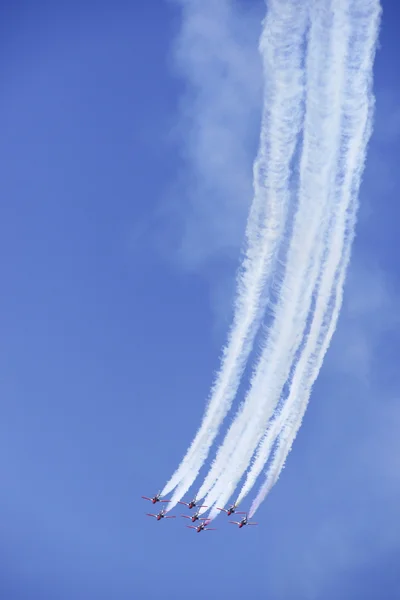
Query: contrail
pixel 288 423
pixel 326 47
pixel 310 362
pixel 280 44
pixel 364 17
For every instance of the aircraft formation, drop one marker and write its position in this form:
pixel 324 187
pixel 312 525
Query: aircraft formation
pixel 203 526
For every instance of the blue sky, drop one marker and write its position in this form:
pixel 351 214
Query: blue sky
pixel 117 283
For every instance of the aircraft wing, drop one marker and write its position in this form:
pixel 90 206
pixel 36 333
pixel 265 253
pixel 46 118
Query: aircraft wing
pixel 223 509
pixel 235 522
pixel 186 517
pixel 146 498
pixel 164 500
pixel 191 527
pixel 149 515
pixel 252 523
pixel 210 529
pixel 185 503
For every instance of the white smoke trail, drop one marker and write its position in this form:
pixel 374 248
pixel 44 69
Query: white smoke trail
pixel 318 340
pixel 289 421
pixel 281 42
pixel 336 74
pixel 357 128
pixel 327 46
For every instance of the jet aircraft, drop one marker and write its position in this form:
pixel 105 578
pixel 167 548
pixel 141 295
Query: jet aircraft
pixel 192 504
pixel 156 498
pixel 194 517
pixel 231 510
pixel 243 522
pixel 161 515
pixel 202 526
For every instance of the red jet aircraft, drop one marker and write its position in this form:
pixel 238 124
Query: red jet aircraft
pixel 231 509
pixel 192 504
pixel 202 526
pixel 194 517
pixel 161 515
pixel 243 522
pixel 155 499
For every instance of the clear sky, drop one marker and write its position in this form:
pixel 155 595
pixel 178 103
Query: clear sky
pixel 119 243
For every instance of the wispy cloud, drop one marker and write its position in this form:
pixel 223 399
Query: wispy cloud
pixel 216 58
pixel 198 224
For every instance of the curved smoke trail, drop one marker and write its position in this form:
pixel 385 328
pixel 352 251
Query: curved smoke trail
pixel 327 45
pixel 357 128
pixel 281 42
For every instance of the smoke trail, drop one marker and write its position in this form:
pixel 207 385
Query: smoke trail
pixel 357 128
pixel 280 43
pixel 335 70
pixel 321 331
pixel 327 46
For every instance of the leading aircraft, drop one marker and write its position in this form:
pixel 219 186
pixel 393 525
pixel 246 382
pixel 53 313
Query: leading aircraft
pixel 231 510
pixel 161 515
pixel 243 522
pixel 156 498
pixel 192 504
pixel 202 526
